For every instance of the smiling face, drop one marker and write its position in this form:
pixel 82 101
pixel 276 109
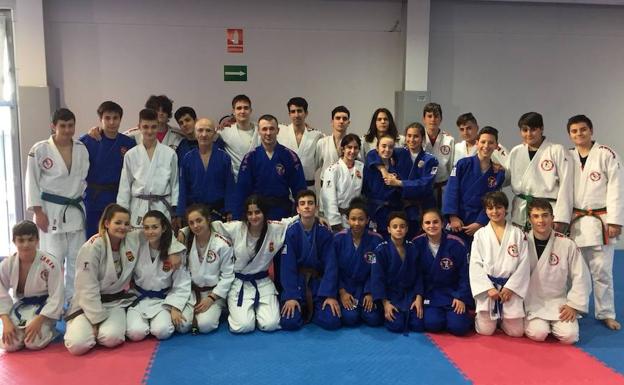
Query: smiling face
pixel 532 136
pixel 432 225
pixel 350 151
pixel 242 111
pixel 204 132
pixel 496 213
pixel 187 124
pixel 541 222
pixel 118 226
pixel 486 145
pixel 268 130
pixel 413 139
pixel 198 224
pixel 581 134
pixel 385 146
pixel 152 229
pixel 357 221
pixel 255 217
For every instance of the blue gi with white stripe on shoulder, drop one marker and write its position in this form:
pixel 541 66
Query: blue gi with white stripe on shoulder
pixel 445 278
pixel 398 281
pixel 309 274
pixel 354 273
pixel 105 163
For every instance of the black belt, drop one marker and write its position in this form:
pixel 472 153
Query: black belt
pixel 283 203
pixel 104 298
pixel 309 182
pixel 98 188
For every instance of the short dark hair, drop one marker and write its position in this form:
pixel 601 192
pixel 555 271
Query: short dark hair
pixel 465 118
pixel 268 117
pixel 341 109
pixel 25 228
pixel 434 108
pixel 488 130
pixel 63 114
pixel 579 119
pixel 109 106
pixel 531 120
pixel 299 102
pixel 185 110
pixel 241 98
pixel 350 138
pixel 397 214
pixel 418 126
pixel 358 203
pixel 541 204
pixel 156 102
pixel 148 114
pixel 495 198
pixel 305 193
pixel 372 128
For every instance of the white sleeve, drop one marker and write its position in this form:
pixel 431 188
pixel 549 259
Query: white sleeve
pixel 580 288
pixel 330 198
pixel 125 185
pixel 33 175
pixel 180 292
pixel 6 302
pixel 518 282
pixel 479 281
pixel 87 284
pixel 53 307
pixel 226 276
pixel 175 183
pixel 565 197
pixel 615 191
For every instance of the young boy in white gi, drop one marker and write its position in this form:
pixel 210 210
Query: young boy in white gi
pixel 499 270
pixel 36 279
pixel 166 134
pixel 468 131
pixel 559 286
pixel 598 211
pixel 56 175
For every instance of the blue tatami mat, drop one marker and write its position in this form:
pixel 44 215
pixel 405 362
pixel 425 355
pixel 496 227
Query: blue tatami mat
pixel 311 356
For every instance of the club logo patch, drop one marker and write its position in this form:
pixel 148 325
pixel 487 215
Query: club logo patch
pixel 446 263
pixel 85 267
pixel 491 182
pixel 421 163
pixel 129 256
pixel 47 163
pixel 513 250
pixel 44 275
pixel 211 256
pixel 553 260
pixel 594 176
pixel 445 150
pixel 434 170
pixel 271 247
pixel 166 266
pixel 547 165
pixel 369 257
pixel 280 169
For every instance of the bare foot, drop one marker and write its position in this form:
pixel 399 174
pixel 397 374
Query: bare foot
pixel 612 324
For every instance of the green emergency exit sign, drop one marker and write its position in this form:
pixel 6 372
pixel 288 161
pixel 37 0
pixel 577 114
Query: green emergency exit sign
pixel 234 73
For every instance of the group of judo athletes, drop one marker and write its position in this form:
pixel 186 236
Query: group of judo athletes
pixel 280 168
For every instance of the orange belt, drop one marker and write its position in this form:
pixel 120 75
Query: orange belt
pixel 596 213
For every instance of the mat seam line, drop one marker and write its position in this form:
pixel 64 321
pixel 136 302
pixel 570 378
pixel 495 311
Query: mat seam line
pixel 150 363
pixel 453 363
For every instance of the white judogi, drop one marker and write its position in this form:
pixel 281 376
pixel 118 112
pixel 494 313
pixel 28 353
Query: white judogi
pixel 238 143
pixel 97 276
pixel 340 185
pixel 507 260
pixel 142 176
pixel 366 146
pixel 549 175
pixel 172 138
pixel 306 150
pixel 326 153
pixel 461 151
pixel 598 186
pixel 214 268
pixel 46 172
pixel 243 318
pixel 152 315
pixel 443 150
pixel 559 277
pixel 45 278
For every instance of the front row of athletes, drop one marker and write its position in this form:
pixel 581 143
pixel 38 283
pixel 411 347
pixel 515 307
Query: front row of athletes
pixel 351 278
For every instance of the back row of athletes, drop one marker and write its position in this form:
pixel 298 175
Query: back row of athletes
pixel 393 179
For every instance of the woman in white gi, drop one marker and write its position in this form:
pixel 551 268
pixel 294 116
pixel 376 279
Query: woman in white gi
pixel 162 293
pixel 499 270
pixel 382 123
pixel 211 265
pixel 342 181
pixel 36 281
pixel 253 297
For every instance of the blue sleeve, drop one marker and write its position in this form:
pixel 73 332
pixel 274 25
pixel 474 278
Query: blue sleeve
pixel 220 143
pixel 372 158
pixel 244 186
pixel 338 252
pixel 329 282
pixel 182 197
pixel 450 198
pixel 419 285
pixel 289 275
pixel 230 187
pixel 296 179
pixel 378 276
pixel 463 292
pixel 421 187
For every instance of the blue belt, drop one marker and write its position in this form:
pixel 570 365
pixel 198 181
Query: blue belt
pixel 64 201
pixel 498 284
pixel 160 294
pixel 35 300
pixel 251 278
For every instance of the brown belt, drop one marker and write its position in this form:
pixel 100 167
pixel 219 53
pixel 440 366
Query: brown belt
pixel 309 273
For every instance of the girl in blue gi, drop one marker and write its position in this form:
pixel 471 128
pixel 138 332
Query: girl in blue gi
pixel 355 248
pixel 396 279
pixel 382 198
pixel 444 266
pixel 470 180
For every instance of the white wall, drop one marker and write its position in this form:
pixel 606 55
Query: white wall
pixel 331 53
pixel 500 60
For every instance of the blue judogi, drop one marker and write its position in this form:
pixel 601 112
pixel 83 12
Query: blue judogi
pixel 105 164
pixel 354 273
pixel 465 188
pixel 398 281
pixel 445 277
pixel 274 179
pixel 382 199
pixel 309 274
pixel 213 186
pixel 185 146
